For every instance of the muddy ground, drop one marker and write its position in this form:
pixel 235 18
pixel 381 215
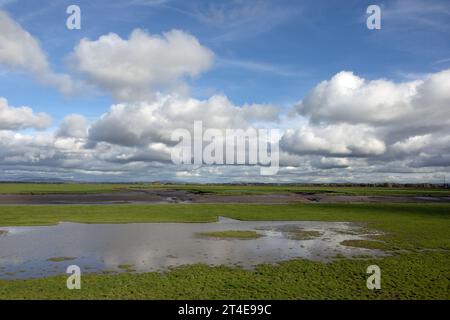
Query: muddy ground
pixel 182 196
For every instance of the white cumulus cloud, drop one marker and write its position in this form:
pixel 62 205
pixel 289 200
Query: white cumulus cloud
pixel 19 50
pixel 12 118
pixel 134 68
pixel 133 124
pixel 73 125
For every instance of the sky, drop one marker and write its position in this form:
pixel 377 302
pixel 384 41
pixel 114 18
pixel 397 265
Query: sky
pixel 100 103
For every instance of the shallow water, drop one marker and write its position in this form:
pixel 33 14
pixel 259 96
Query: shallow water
pixel 158 246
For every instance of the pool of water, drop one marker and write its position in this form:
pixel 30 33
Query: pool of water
pixel 24 251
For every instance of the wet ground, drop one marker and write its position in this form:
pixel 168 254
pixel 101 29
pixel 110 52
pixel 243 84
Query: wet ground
pixel 142 247
pixel 182 196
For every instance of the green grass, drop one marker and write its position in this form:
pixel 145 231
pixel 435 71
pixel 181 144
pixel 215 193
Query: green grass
pixel 300 234
pixel 408 276
pixel 60 259
pixel 232 234
pixel 54 188
pixel 369 244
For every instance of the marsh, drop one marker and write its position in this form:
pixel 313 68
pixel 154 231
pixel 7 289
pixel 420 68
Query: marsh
pixel 39 251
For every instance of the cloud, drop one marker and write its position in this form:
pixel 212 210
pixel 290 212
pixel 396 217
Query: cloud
pixel 260 67
pixel 239 19
pixel 442 61
pixel 431 161
pixel 27 150
pixel 347 129
pixel 74 125
pixel 330 163
pixel 235 13
pixel 379 120
pixel 347 98
pixel 137 124
pixel 396 110
pixel 21 118
pixel 4 3
pixel 136 68
pixel 418 14
pixel 21 51
pixel 334 140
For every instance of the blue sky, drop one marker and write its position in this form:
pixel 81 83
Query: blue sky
pixel 266 51
pixel 360 104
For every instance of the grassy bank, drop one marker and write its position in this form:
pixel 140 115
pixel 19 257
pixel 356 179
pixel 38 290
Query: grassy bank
pixel 409 276
pixel 54 188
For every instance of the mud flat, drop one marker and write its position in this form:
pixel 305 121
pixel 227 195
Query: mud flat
pixel 184 196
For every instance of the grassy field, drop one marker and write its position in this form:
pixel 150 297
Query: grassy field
pixel 417 234
pixel 406 276
pixel 30 188
pixel 53 188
